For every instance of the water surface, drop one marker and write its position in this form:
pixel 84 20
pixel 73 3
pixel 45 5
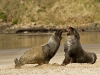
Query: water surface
pixel 13 41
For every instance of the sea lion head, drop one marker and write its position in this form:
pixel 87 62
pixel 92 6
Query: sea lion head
pixel 72 31
pixel 57 35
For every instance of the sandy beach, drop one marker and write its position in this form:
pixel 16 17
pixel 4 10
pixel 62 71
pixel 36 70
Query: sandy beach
pixel 53 68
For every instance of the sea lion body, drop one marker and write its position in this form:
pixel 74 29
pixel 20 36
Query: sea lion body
pixel 41 54
pixel 88 57
pixel 74 52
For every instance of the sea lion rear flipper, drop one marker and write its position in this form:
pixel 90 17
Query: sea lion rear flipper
pixel 16 63
pixel 16 60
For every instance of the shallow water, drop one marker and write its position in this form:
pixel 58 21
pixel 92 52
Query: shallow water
pixel 14 41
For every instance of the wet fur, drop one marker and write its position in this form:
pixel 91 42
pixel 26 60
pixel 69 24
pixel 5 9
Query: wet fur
pixel 74 52
pixel 41 54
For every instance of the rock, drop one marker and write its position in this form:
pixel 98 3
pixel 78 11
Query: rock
pixel 93 25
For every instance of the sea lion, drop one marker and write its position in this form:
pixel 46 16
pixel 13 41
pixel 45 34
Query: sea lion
pixel 41 54
pixel 74 52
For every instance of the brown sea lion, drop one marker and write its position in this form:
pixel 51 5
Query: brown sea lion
pixel 41 54
pixel 74 52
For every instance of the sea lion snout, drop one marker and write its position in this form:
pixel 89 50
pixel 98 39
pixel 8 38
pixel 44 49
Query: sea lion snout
pixel 58 33
pixel 69 32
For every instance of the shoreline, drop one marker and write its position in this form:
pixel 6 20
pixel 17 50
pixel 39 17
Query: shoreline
pixel 32 27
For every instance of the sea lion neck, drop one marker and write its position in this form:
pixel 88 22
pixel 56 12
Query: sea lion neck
pixel 53 42
pixel 72 41
pixel 72 37
pixel 53 39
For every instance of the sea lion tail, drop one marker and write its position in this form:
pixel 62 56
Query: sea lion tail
pixel 16 63
pixel 94 56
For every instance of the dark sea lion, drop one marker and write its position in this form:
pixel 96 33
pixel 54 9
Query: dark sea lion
pixel 74 52
pixel 41 54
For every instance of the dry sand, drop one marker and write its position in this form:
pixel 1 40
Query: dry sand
pixel 7 64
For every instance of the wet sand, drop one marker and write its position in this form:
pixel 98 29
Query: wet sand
pixel 54 68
